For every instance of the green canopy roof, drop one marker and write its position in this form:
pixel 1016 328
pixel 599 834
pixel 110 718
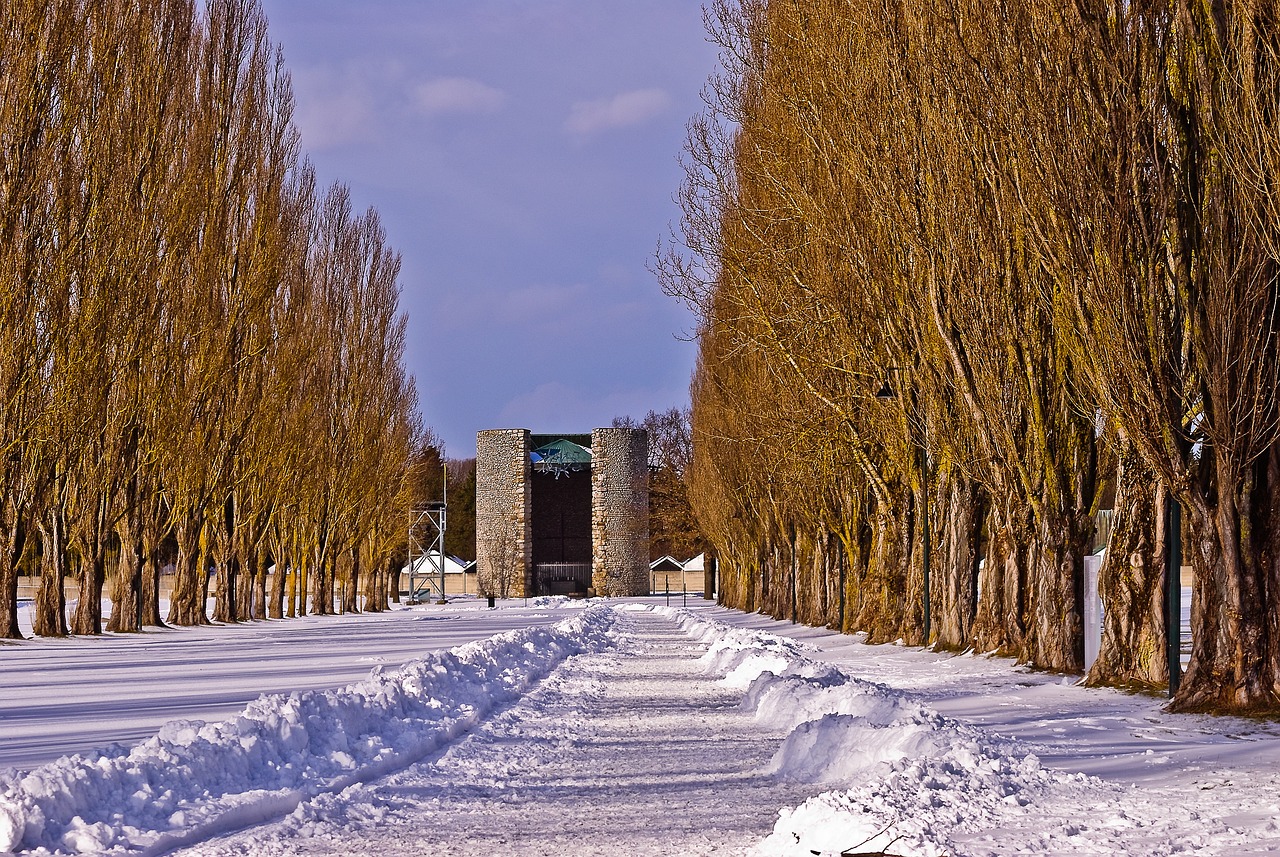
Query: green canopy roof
pixel 561 455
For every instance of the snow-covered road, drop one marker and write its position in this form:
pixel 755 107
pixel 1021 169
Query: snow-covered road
pixel 634 751
pixel 615 728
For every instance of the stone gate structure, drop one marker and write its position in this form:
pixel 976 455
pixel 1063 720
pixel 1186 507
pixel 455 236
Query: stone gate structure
pixel 562 514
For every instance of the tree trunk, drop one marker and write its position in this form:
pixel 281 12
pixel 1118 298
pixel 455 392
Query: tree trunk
pixel 276 592
pixel 1055 623
pixel 856 540
pixel 330 564
pixel 226 581
pixel 227 585
pixel 298 586
pixel 338 581
pixel 911 630
pixel 15 538
pixel 258 572
pixel 375 585
pixel 1131 582
pixel 50 618
pixel 247 552
pixel 86 619
pixel 1235 662
pixel 955 576
pixel 743 574
pixel 320 605
pixel 924 525
pixel 880 612
pixel 393 580
pixel 150 608
pixel 777 574
pixel 206 580
pixel 998 624
pixel 126 596
pixel 93 531
pixel 187 601
pixel 350 592
pixel 817 605
pixel 152 521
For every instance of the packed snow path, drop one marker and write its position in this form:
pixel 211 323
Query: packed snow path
pixel 634 751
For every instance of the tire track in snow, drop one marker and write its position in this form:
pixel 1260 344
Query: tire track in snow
pixel 634 751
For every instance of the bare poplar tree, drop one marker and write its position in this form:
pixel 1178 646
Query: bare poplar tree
pixel 180 313
pixel 37 45
pixel 1169 234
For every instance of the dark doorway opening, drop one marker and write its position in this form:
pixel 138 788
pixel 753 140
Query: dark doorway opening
pixel 562 532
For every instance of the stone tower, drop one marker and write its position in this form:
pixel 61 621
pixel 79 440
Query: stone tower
pixel 503 512
pixel 620 511
pixel 531 536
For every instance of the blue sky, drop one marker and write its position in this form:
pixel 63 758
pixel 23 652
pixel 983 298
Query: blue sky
pixel 523 155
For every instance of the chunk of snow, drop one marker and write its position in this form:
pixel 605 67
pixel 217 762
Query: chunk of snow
pixel 11 826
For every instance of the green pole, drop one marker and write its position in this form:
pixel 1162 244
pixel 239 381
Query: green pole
pixel 924 539
pixel 1173 594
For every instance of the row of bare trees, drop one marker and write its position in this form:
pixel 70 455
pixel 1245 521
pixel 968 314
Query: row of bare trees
pixel 200 349
pixel 673 529
pixel 1053 230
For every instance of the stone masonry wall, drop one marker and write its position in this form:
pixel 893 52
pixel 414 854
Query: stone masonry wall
pixel 620 511
pixel 504 509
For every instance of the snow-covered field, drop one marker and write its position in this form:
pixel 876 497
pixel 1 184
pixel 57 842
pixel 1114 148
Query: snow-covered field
pixel 550 727
pixel 79 693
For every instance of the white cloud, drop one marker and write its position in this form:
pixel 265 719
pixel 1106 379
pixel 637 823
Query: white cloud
pixel 456 95
pixel 345 115
pixel 620 111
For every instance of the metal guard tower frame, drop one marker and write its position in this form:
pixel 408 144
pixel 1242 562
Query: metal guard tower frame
pixel 426 532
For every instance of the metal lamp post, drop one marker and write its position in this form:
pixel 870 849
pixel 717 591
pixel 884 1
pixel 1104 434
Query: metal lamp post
pixel 885 393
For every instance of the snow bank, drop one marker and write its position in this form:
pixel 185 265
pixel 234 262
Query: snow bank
pixel 197 779
pixel 910 777
pixel 915 807
pixel 544 601
pixel 740 654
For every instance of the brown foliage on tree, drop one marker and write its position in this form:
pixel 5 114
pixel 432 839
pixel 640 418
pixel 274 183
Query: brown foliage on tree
pixel 199 348
pixel 1049 231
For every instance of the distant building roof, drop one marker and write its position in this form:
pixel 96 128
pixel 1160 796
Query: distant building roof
pixel 666 563
pixel 425 564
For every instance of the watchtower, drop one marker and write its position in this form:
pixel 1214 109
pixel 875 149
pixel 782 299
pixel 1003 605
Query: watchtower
pixel 562 513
